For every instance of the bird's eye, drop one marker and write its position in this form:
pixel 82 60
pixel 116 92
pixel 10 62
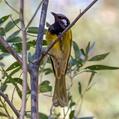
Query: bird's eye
pixel 64 22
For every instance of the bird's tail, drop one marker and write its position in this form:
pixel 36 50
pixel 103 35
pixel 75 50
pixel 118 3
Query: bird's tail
pixel 60 95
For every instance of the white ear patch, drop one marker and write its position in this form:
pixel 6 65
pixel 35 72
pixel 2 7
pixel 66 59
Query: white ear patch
pixel 64 21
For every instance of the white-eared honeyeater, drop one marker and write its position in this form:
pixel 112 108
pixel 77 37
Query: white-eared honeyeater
pixel 59 55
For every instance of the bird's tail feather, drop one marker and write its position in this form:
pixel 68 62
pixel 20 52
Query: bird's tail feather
pixel 60 94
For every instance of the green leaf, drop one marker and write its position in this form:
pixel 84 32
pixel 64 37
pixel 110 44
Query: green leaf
pixel 2 31
pixel 101 67
pixel 43 116
pixel 19 92
pixel 13 35
pixel 15 71
pixel 99 57
pixel 48 71
pixel 88 48
pixel 91 77
pixel 44 42
pixel 76 50
pixel 72 104
pixel 16 39
pixel 71 115
pixel 82 55
pixel 72 61
pixel 79 88
pixel 3 87
pixel 2 49
pixel 17 46
pixel 14 81
pixel 3 19
pixel 12 66
pixel 2 114
pixel 32 43
pixel 33 30
pixel 45 87
pixel 11 25
pixel 86 118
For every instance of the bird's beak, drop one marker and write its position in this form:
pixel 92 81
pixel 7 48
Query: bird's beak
pixel 55 16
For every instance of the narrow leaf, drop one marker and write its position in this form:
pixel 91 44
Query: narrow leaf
pixel 19 92
pixel 99 57
pixel 13 35
pixel 2 31
pixel 3 19
pixel 43 116
pixel 14 81
pixel 3 87
pixel 33 30
pixel 45 87
pixel 79 88
pixel 91 78
pixel 14 39
pixel 17 46
pixel 15 71
pixel 88 48
pixel 72 104
pixel 12 66
pixel 71 115
pixel 2 114
pixel 11 25
pixel 48 71
pixel 76 50
pixel 101 67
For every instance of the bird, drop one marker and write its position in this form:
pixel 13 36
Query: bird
pixel 59 55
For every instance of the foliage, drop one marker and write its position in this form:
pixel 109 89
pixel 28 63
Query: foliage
pixel 77 64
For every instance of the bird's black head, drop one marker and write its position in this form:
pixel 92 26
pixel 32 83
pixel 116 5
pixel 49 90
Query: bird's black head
pixel 61 22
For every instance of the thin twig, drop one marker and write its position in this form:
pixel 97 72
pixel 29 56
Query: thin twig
pixel 67 111
pixel 11 7
pixel 4 106
pixel 20 28
pixel 80 107
pixel 5 97
pixel 71 25
pixel 64 113
pixel 51 109
pixel 10 50
pixel 13 95
pixel 24 58
pixel 34 15
pixel 82 97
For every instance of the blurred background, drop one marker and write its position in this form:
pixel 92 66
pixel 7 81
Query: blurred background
pixel 100 25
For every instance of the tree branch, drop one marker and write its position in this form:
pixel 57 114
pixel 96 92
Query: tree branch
pixel 69 27
pixel 11 6
pixel 5 97
pixel 34 14
pixel 34 67
pixel 24 58
pixel 10 50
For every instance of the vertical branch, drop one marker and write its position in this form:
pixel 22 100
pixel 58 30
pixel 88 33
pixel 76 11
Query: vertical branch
pixel 24 57
pixel 34 67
